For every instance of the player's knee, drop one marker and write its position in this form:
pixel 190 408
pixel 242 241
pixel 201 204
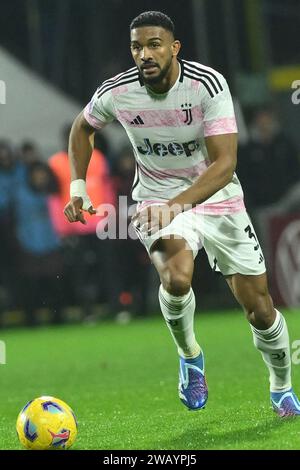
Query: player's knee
pixel 176 282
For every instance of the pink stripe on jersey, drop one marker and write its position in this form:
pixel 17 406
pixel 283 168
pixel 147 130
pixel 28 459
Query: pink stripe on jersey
pixel 220 126
pixel 160 118
pixel 229 206
pixel 192 172
pixel 94 122
pixel 195 85
pixel 143 204
pixel 119 89
pixel 145 172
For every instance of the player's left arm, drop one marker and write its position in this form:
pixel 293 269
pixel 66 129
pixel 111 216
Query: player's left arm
pixel 222 152
pixel 220 133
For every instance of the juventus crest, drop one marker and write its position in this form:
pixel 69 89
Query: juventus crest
pixel 186 108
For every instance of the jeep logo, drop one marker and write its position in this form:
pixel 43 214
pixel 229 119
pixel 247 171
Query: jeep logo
pixel 173 148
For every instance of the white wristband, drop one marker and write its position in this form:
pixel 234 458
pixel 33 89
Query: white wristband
pixel 78 189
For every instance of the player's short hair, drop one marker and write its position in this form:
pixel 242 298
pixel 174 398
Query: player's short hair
pixel 153 18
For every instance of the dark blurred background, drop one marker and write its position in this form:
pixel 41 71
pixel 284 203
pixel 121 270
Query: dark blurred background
pixel 77 44
pixel 53 55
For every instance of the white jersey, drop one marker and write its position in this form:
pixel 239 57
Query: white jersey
pixel 167 131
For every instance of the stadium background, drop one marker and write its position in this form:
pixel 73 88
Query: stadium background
pixel 53 55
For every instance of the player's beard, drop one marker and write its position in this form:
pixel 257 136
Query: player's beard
pixel 158 78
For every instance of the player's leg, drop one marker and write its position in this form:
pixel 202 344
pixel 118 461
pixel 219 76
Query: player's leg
pixel 271 338
pixel 175 264
pixel 232 247
pixel 253 294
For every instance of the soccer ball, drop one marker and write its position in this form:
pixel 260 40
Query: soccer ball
pixel 46 423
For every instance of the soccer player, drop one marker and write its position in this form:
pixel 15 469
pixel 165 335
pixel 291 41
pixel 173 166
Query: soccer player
pixel 179 117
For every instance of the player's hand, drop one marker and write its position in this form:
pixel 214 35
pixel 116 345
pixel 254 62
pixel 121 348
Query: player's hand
pixel 153 218
pixel 74 212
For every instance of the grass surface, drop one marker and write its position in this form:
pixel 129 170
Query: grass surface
pixel 121 381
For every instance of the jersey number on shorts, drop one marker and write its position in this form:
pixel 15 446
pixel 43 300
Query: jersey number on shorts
pixel 251 235
pixel 248 230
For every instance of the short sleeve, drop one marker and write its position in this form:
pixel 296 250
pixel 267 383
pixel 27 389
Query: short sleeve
pixel 100 110
pixel 218 111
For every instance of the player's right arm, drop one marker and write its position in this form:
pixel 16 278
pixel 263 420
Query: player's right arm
pixel 98 113
pixel 80 151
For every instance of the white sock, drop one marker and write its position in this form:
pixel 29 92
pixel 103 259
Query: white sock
pixel 274 346
pixel 179 315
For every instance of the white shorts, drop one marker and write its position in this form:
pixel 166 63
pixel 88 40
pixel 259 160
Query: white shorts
pixel 229 240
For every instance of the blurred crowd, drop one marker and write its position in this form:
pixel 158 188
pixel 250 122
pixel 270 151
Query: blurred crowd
pixel 48 263
pixel 51 264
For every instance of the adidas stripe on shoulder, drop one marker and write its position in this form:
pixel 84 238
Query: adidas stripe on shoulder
pixel 207 76
pixel 129 76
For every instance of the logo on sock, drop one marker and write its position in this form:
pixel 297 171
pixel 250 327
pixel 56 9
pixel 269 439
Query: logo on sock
pixel 279 356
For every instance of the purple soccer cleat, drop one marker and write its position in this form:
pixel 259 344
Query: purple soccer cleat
pixel 192 384
pixel 285 404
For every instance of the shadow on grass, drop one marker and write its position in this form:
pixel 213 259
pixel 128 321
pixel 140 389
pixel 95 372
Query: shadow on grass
pixel 206 437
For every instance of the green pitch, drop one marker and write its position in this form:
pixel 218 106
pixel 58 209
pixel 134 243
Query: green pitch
pixel 121 381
